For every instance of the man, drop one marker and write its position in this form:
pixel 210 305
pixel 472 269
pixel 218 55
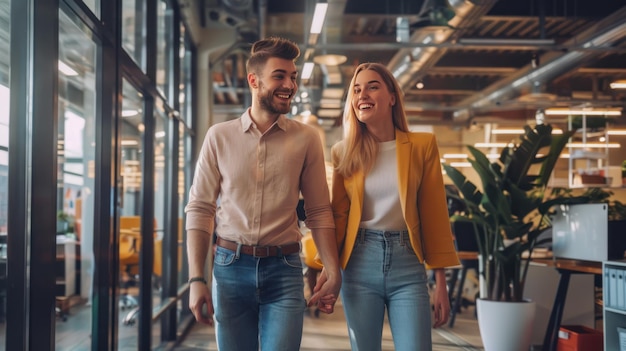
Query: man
pixel 257 165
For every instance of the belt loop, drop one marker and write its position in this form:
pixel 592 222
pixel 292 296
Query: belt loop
pixel 279 251
pixel 361 235
pixel 402 238
pixel 238 252
pixel 404 235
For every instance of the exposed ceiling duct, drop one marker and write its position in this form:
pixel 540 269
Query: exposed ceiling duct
pixel 473 58
pixel 237 14
pixel 585 46
pixel 408 64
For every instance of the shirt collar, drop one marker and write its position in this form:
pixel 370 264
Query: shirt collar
pixel 247 122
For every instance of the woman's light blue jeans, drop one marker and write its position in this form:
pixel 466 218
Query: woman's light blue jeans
pixel 384 271
pixel 257 301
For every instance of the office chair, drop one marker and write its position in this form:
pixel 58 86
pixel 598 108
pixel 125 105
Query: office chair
pixel 131 316
pixel 129 244
pixel 465 240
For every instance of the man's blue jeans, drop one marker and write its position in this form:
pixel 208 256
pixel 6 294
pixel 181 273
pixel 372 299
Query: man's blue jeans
pixel 258 300
pixel 384 271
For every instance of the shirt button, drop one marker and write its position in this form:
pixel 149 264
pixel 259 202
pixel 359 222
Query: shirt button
pixel 256 220
pixel 260 165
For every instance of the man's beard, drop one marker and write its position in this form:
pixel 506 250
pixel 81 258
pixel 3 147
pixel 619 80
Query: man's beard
pixel 267 103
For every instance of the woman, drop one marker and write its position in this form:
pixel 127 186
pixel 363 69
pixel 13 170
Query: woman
pixel 391 218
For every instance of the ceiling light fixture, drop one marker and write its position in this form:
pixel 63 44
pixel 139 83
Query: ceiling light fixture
pixel 460 164
pixel 445 156
pixel 618 84
pixel 510 42
pixel 595 145
pixel 515 131
pixel 507 131
pixel 584 111
pixel 129 113
pixel 66 69
pixel 493 145
pixel 330 59
pixel 307 70
pixel 318 17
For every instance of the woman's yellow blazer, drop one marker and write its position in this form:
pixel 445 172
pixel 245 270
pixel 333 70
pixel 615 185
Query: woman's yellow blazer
pixel 422 196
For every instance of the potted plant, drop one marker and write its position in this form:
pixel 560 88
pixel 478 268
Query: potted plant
pixel 509 212
pixel 64 222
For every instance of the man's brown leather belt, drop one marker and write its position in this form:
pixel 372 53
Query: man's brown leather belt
pixel 260 251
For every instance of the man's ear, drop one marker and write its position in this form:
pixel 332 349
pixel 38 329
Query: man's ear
pixel 252 80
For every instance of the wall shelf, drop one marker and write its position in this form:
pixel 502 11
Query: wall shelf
pixel 588 163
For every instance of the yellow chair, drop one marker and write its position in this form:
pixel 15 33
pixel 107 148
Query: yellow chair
pixel 313 265
pixel 309 252
pixel 129 244
pixel 129 253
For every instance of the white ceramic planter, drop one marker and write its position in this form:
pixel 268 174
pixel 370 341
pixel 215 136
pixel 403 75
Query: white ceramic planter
pixel 505 325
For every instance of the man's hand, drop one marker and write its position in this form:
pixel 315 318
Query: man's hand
pixel 200 296
pixel 326 291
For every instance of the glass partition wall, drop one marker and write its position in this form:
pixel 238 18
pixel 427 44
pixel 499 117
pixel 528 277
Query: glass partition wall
pixel 5 37
pixel 92 202
pixel 76 159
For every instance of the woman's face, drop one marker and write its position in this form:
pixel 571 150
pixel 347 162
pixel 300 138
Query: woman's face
pixel 372 101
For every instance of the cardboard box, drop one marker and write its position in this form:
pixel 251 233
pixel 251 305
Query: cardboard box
pixel 579 338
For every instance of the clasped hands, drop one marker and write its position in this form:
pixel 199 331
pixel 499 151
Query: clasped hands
pixel 326 291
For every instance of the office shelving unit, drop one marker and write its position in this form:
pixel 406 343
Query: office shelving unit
pixel 589 163
pixel 614 303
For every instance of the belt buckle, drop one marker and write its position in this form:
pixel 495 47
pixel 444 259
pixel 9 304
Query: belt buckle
pixel 259 248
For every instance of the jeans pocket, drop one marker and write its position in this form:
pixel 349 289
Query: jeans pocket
pixel 224 257
pixel 293 261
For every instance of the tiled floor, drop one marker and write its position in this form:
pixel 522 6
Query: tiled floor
pixel 329 333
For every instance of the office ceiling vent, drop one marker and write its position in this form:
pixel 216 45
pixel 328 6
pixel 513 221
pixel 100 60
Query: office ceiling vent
pixel 233 13
pixel 238 5
pixel 434 13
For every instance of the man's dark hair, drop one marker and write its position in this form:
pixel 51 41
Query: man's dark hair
pixel 265 49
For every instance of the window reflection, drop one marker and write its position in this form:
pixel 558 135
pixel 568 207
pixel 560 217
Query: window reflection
pixel 76 180
pixel 133 40
pixel 94 6
pixel 164 46
pixel 184 95
pixel 131 178
pixel 5 35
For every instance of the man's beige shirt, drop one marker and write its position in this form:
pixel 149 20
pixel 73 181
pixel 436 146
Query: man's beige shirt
pixel 258 179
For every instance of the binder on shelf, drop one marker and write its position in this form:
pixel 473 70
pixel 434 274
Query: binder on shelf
pixel 606 286
pixel 613 288
pixel 620 289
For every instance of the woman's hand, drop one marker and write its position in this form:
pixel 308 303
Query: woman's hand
pixel 326 292
pixel 441 301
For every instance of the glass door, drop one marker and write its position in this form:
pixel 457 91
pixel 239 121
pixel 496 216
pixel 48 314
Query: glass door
pixel 5 36
pixel 130 179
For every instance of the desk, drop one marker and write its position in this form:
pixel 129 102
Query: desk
pixel 467 255
pixel 565 267
pixel 66 258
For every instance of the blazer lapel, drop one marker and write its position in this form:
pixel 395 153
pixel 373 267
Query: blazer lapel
pixel 358 190
pixel 403 156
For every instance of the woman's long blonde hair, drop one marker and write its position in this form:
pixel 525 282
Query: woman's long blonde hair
pixel 358 149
